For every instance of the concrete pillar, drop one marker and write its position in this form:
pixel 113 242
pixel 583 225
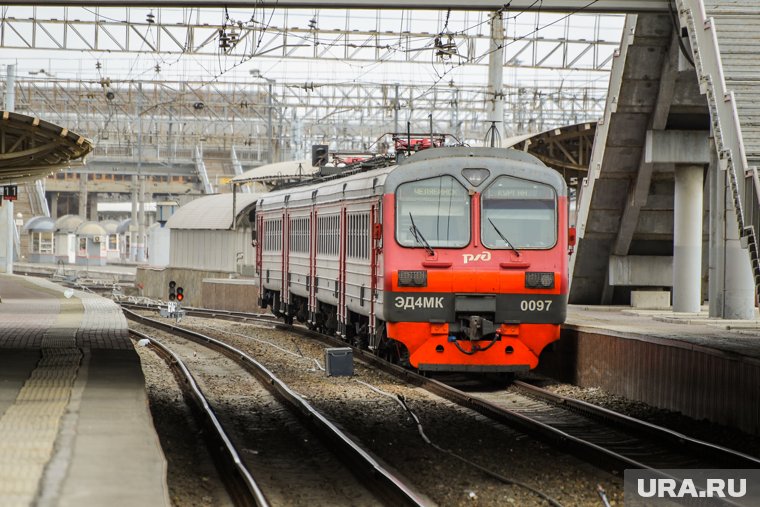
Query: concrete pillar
pixel 687 239
pixel 9 231
pixel 6 212
pixel 496 82
pixel 10 89
pixel 133 222
pixel 82 195
pixel 270 131
pixel 731 289
pixel 141 222
pixel 739 289
pixel 54 205
pixel 93 200
pixel 716 262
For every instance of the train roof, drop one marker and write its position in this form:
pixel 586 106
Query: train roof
pixel 373 182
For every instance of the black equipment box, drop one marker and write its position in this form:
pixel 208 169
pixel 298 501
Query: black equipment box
pixel 339 362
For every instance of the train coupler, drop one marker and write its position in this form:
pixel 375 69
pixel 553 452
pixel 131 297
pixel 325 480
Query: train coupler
pixel 476 327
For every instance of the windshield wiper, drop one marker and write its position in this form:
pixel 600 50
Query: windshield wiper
pixel 503 237
pixel 419 237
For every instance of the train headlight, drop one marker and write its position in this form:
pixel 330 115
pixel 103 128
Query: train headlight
pixel 475 176
pixel 539 280
pixel 412 278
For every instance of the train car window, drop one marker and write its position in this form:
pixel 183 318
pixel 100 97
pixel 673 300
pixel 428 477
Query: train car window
pixel 524 212
pixel 328 227
pixel 439 209
pixel 358 236
pixel 299 234
pixel 273 235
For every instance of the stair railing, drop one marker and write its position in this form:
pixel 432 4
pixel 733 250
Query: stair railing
pixel 200 166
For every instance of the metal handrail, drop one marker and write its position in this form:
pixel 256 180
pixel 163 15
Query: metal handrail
pixel 39 186
pixel 200 166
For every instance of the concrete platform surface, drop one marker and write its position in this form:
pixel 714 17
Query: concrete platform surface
pixel 684 329
pixel 75 428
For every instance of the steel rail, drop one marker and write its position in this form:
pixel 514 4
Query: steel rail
pixel 728 457
pixel 189 386
pixel 376 476
pixel 588 451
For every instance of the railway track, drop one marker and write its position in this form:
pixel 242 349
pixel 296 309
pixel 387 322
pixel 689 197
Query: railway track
pixel 623 441
pixel 600 436
pixel 288 476
pixel 241 485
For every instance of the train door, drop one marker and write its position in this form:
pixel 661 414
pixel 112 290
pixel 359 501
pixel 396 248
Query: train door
pixel 314 239
pixel 259 251
pixel 342 316
pixel 285 285
pixel 374 253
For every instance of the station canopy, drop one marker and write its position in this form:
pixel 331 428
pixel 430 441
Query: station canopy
pixel 31 148
pixel 212 212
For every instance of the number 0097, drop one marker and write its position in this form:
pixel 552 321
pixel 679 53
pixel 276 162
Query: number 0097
pixel 535 306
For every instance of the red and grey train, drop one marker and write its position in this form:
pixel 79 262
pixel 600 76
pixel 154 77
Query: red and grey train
pixel 452 259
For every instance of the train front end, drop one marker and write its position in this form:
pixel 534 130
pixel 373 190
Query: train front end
pixel 475 249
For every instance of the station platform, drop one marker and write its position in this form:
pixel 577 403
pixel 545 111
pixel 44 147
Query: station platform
pixel 75 427
pixel 701 367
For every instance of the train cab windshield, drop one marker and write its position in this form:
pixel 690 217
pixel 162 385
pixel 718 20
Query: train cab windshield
pixel 437 209
pixel 523 211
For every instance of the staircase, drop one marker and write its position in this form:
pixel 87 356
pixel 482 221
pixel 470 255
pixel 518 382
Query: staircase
pixel 725 42
pixel 200 167
pixel 614 182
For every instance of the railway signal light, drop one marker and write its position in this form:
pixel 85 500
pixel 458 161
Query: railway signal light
pixel 172 286
pixel 318 155
pixel 180 293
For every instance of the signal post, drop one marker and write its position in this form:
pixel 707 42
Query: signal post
pixel 173 308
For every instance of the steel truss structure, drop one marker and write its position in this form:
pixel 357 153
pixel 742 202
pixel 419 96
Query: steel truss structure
pixel 173 117
pixel 580 42
pixel 607 6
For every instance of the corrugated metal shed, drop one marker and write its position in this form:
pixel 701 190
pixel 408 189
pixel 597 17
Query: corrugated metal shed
pixel 213 212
